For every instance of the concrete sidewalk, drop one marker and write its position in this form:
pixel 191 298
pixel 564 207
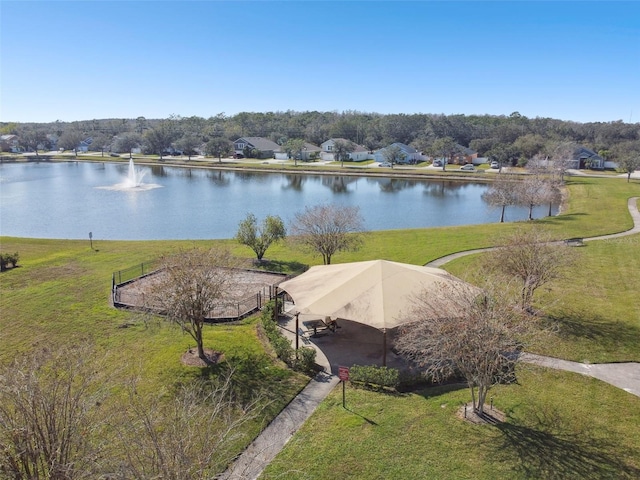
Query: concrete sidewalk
pixel 268 444
pixel 622 375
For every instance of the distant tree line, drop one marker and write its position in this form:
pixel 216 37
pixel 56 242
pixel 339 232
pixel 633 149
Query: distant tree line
pixel 513 138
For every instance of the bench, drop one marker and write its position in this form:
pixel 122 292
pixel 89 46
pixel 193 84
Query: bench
pixel 574 242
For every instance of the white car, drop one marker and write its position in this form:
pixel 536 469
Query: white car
pixel 385 164
pixel 468 167
pixel 494 165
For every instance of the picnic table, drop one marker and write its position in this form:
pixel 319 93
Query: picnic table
pixel 316 326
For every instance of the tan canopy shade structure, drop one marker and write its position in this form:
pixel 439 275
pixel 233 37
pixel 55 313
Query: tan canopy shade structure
pixel 375 293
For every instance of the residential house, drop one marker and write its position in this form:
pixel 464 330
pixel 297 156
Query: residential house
pixel 584 157
pixel 9 143
pixel 357 155
pixel 465 155
pixel 309 152
pixel 411 155
pixel 257 147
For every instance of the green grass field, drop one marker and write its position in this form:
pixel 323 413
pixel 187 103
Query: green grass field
pixel 580 427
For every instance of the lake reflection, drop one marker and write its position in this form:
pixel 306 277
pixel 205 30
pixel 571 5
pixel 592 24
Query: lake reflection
pixel 64 200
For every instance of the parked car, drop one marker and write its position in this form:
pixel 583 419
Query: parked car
pixel 437 163
pixel 495 165
pixel 385 164
pixel 468 168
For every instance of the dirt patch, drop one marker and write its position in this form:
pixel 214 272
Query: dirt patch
pixel 489 417
pixel 191 358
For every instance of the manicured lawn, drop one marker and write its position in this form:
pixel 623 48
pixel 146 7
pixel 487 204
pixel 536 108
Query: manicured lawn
pixel 560 425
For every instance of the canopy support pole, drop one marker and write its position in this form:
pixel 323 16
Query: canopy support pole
pixel 384 347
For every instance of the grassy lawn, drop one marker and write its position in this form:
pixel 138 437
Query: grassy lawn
pixel 559 425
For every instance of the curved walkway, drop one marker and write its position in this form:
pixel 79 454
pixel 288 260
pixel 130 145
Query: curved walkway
pixel 633 211
pixel 250 464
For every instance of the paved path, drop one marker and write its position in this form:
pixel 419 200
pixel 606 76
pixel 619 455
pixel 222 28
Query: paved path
pixel 268 444
pixel 622 375
pixel 633 211
pixel 250 464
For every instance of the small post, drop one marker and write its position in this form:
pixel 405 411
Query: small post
pixel 297 332
pixel 275 310
pixel 491 403
pixel 465 410
pixel 91 240
pixel 343 394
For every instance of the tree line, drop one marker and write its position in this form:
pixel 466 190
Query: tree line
pixel 513 138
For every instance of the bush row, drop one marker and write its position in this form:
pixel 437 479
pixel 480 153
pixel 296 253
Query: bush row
pixel 306 358
pixel 8 260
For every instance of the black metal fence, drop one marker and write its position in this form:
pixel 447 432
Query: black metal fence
pixel 225 311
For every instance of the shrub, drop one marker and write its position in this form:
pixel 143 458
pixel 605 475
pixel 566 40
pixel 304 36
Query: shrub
pixel 306 360
pixel 8 259
pixel 374 376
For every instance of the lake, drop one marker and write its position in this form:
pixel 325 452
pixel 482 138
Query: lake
pixel 71 199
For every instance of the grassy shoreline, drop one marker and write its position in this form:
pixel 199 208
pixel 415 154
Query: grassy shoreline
pixel 60 296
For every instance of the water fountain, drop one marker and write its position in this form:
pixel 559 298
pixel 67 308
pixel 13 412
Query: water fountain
pixel 134 177
pixel 133 180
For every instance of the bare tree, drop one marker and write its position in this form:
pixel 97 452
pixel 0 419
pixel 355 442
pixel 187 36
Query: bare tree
pixel 466 332
pixel 51 405
pixel 562 157
pixel 327 229
pixel 70 140
pixel 502 193
pixel 193 435
pixel 260 237
pixel 189 286
pixel 532 191
pixel 531 258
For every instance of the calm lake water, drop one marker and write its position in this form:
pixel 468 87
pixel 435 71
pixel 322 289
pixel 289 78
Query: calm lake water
pixel 69 200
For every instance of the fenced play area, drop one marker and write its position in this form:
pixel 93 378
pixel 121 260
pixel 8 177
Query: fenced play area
pixel 248 292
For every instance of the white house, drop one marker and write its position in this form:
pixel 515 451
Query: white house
pixel 358 154
pixel 411 155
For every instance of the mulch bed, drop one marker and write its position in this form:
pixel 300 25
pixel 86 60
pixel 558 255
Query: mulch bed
pixel 191 358
pixel 489 417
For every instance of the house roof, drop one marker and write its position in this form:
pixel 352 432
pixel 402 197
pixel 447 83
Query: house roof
pixel 310 147
pixel 582 152
pixel 357 148
pixel 260 143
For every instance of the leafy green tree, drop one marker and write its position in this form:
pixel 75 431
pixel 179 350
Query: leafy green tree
pixel 628 157
pixel 217 147
pixel 342 149
pixel 260 237
pixel 445 148
pixel 30 138
pixel 126 142
pixel 393 154
pixel 159 138
pixel 101 142
pixel 188 144
pixel 293 148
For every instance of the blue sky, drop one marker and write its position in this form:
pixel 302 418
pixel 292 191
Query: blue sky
pixel 79 60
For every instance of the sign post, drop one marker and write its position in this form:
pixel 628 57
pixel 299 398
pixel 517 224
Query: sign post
pixel 343 374
pixel 91 240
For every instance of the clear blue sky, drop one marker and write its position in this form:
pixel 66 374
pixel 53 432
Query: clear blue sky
pixel 79 60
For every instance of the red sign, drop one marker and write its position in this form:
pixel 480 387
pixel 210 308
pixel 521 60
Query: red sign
pixel 343 373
